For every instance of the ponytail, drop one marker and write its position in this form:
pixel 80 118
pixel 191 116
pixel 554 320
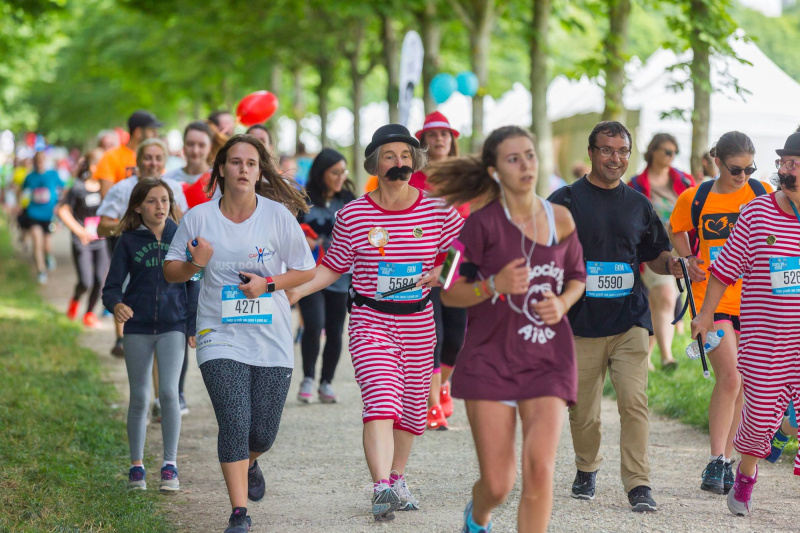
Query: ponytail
pixel 462 180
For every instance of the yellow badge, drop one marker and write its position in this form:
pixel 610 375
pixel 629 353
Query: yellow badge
pixel 771 239
pixel 418 232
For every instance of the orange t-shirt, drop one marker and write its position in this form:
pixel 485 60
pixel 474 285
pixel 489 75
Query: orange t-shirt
pixel 719 214
pixel 116 165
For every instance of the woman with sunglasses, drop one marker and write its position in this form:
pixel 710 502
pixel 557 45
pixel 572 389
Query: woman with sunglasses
pixel 662 184
pixel 719 212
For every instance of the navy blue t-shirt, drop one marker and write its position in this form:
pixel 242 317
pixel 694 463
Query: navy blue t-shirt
pixel 618 226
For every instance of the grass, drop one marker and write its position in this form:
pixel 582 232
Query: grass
pixel 684 394
pixel 63 449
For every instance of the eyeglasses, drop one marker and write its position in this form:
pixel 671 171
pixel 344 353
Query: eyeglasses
pixel 607 151
pixel 670 153
pixel 790 164
pixel 735 171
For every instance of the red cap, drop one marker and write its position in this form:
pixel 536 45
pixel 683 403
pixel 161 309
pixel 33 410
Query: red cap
pixel 436 121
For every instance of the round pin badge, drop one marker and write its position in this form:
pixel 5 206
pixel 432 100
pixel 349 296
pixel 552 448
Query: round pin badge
pixel 418 232
pixel 378 237
pixel 771 239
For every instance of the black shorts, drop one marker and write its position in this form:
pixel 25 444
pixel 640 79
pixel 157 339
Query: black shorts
pixel 25 222
pixel 733 319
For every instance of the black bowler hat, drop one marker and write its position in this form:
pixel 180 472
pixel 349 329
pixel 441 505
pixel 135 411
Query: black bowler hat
pixel 792 146
pixel 390 133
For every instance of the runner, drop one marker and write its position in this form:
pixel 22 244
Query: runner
pixel 78 211
pixel 260 132
pixel 662 184
pixel 724 198
pixel 526 270
pixel 158 316
pixel 439 139
pixel 244 349
pixel 392 238
pixel 120 162
pixel 612 322
pixel 40 192
pixel 329 189
pixel 763 248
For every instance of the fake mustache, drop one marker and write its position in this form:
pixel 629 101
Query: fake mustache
pixel 787 181
pixel 399 173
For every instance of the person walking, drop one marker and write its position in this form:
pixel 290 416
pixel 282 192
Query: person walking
pixel 250 249
pixel 40 192
pixel 158 316
pixel 619 230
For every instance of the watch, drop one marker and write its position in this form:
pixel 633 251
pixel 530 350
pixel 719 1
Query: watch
pixel 270 284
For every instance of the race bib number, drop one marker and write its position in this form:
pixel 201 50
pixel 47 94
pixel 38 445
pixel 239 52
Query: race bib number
pixel 713 252
pixel 608 280
pixel 785 275
pixel 41 195
pixel 91 224
pixel 239 309
pixel 393 276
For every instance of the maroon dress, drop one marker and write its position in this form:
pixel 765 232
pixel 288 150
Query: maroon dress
pixel 509 355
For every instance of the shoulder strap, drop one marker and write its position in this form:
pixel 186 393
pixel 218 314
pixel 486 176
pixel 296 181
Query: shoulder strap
pixel 568 197
pixel 757 186
pixel 699 201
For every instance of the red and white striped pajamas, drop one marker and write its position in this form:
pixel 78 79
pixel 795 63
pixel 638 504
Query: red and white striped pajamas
pixel 392 354
pixel 769 348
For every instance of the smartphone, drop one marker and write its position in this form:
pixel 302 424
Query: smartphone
pixel 244 279
pixel 451 264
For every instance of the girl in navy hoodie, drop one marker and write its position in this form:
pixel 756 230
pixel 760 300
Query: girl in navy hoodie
pixel 158 316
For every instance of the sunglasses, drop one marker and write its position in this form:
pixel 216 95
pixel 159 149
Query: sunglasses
pixel 669 153
pixel 735 171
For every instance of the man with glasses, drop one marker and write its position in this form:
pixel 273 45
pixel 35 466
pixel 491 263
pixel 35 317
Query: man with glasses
pixel 619 230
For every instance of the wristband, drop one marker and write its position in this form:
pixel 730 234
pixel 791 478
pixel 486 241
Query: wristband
pixel 493 288
pixel 195 264
pixel 477 289
pixel 270 284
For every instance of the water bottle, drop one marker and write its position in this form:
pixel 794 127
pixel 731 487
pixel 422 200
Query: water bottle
pixel 198 276
pixel 712 341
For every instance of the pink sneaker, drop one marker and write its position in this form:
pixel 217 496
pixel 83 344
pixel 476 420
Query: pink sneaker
pixel 305 394
pixel 740 499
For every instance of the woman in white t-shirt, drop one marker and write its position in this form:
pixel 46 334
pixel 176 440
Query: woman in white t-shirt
pixel 197 139
pixel 244 342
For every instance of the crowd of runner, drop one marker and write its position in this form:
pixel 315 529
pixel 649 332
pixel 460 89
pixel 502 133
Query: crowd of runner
pixel 545 299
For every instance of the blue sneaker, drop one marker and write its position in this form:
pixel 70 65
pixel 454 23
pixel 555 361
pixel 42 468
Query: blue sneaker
pixel 169 479
pixel 779 441
pixel 469 524
pixel 136 478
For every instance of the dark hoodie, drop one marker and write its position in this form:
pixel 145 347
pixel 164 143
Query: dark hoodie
pixel 158 306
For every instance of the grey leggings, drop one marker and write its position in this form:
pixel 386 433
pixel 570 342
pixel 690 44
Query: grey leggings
pixel 139 351
pixel 248 401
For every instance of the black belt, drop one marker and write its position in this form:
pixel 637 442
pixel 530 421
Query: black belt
pixel 391 308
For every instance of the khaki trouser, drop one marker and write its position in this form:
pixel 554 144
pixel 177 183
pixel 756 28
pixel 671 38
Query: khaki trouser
pixel 625 357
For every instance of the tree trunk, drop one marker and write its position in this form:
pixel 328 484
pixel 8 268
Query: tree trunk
pixel 391 55
pixel 701 83
pixel 357 166
pixel 325 70
pixel 298 106
pixel 480 39
pixel 431 41
pixel 540 76
pixel 615 45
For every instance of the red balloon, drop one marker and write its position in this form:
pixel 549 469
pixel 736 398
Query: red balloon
pixel 256 107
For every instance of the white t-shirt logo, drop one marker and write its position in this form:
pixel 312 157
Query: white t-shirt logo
pixel 262 254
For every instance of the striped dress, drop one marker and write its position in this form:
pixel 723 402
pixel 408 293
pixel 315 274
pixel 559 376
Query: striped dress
pixel 764 247
pixel 392 354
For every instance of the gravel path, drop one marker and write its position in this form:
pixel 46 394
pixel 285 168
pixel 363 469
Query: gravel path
pixel 317 480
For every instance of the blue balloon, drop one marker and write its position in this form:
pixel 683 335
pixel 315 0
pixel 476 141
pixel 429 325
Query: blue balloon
pixel 442 86
pixel 467 83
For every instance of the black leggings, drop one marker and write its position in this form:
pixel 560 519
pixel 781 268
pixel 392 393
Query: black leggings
pixel 248 402
pixel 328 309
pixel 91 264
pixel 451 326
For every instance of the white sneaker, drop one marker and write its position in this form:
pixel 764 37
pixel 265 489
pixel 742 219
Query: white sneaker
pixel 407 501
pixel 306 392
pixel 326 393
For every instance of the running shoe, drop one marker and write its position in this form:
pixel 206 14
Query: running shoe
pixel 182 403
pixel 326 394
pixel 436 419
pixel 256 486
pixel 42 278
pixel 583 487
pixel 298 336
pixel 239 522
pixel 641 500
pixel 156 411
pixel 72 310
pixel 169 479
pixel 729 478
pixel 713 476
pixel 117 350
pixel 51 262
pixel 385 502
pixel 407 501
pixel 90 320
pixel 445 400
pixel 779 441
pixel 469 524
pixel 740 499
pixel 136 477
pixel 305 394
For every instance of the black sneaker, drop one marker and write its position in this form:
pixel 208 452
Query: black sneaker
pixel 117 350
pixel 640 499
pixel 239 522
pixel 584 485
pixel 255 483
pixel 713 477
pixel 729 477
